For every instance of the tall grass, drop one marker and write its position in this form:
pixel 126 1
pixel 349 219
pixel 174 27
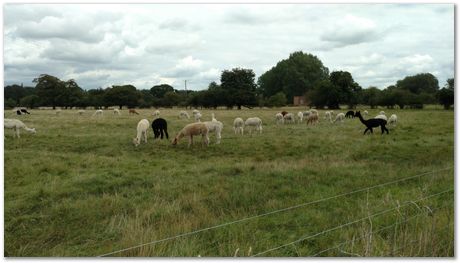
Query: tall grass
pixel 80 188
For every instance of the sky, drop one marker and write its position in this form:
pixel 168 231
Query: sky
pixel 100 45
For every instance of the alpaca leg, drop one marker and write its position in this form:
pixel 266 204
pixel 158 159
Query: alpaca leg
pixel 371 130
pixel 190 141
pixel 366 130
pixel 161 134
pixel 218 136
pixel 17 132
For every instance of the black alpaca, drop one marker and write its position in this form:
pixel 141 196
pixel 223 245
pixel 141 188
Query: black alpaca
pixel 18 112
pixel 372 123
pixel 25 111
pixel 350 114
pixel 159 126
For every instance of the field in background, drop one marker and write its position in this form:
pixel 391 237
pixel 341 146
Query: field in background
pixel 78 187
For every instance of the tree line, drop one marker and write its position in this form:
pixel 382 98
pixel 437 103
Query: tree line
pixel 299 75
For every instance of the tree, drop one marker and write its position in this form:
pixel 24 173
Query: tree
pixel 49 88
pixel 277 100
pixel 350 91
pixel 325 94
pixel 239 87
pixel 159 91
pixel 294 76
pixel 10 103
pixel 370 97
pixel 424 82
pixel 30 101
pixel 170 99
pixel 17 92
pixel 122 95
pixel 446 96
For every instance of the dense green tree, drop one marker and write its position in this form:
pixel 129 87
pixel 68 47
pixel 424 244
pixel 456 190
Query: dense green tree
pixel 10 103
pixel 239 87
pixel 49 89
pixel 17 92
pixel 350 91
pixel 370 96
pixel 446 96
pixel 424 82
pixel 159 91
pixel 294 76
pixel 30 101
pixel 96 98
pixel 170 99
pixel 125 95
pixel 325 94
pixel 277 100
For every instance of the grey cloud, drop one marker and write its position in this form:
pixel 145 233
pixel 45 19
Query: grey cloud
pixel 178 24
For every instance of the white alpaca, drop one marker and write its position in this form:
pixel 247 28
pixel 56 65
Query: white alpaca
pixel 192 129
pixel 58 112
pixel 306 113
pixel 194 112
pixel 314 111
pixel 81 112
pixel 142 128
pixel 183 114
pixel 381 116
pixel 197 117
pixel 300 116
pixel 238 126
pixel 116 111
pixel 279 119
pixel 382 113
pixel 365 113
pixel 328 115
pixel 16 125
pixel 289 118
pixel 393 119
pixel 98 113
pixel 156 113
pixel 340 117
pixel 254 122
pixel 216 127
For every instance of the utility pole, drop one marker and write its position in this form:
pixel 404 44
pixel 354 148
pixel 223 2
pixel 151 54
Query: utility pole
pixel 186 95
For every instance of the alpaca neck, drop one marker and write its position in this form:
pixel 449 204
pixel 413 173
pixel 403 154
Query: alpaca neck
pixel 361 119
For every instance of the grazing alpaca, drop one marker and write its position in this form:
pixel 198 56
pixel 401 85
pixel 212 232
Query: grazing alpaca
pixel 18 112
pixel 279 118
pixel 216 127
pixel 160 126
pixel 372 123
pixel 350 114
pixel 98 113
pixel 255 122
pixel 116 111
pixel 156 113
pixel 192 129
pixel 328 116
pixel 312 118
pixel 340 117
pixel 300 116
pixel 25 111
pixel 133 111
pixel 80 112
pixel 393 119
pixel 365 113
pixel 238 126
pixel 197 117
pixel 16 125
pixel 183 114
pixel 142 128
pixel 289 118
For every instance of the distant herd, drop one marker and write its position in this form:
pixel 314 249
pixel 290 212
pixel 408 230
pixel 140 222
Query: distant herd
pixel 203 129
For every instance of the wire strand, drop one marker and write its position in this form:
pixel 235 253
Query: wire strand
pixel 378 231
pixel 271 212
pixel 347 224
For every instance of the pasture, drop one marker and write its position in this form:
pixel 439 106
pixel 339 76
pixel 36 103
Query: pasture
pixel 78 187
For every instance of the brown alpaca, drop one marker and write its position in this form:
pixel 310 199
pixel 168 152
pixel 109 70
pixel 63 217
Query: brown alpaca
pixel 312 118
pixel 197 128
pixel 133 111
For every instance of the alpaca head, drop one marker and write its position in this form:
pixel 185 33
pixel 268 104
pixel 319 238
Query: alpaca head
pixel 174 141
pixel 357 113
pixel 33 130
pixel 136 142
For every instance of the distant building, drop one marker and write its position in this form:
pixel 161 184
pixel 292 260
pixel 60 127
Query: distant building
pixel 299 101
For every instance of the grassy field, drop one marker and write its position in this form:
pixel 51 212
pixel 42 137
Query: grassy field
pixel 78 187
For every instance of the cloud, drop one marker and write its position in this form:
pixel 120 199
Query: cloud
pixel 350 30
pixel 185 68
pixel 178 24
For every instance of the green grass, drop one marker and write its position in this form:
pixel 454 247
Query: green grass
pixel 80 188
